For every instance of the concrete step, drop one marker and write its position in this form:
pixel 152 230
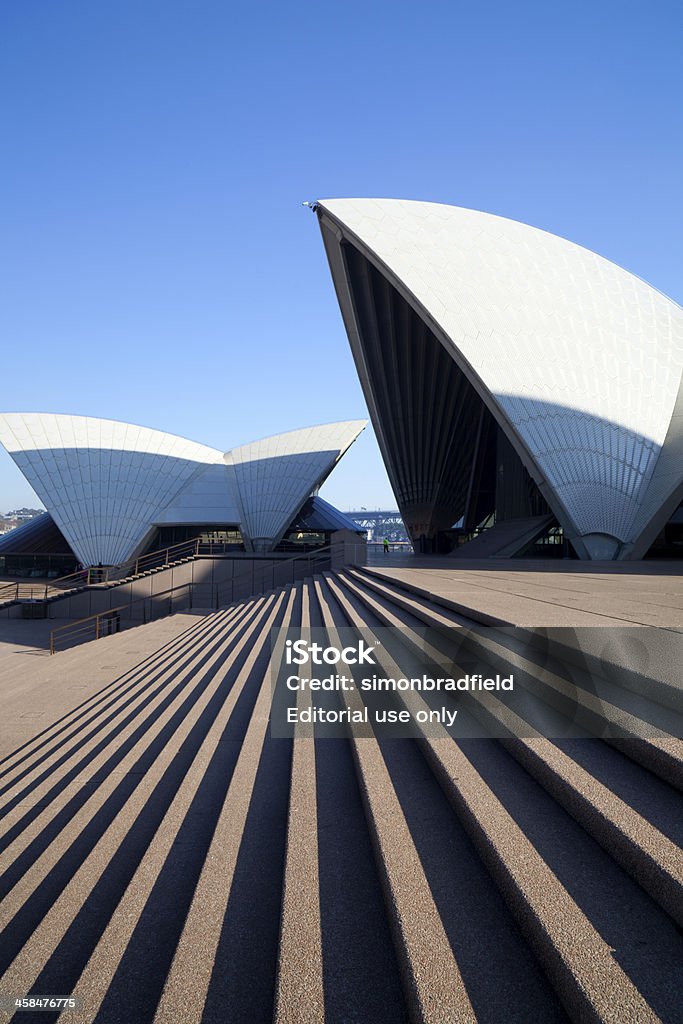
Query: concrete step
pixel 37 690
pixel 108 767
pixel 300 986
pixel 576 957
pixel 166 858
pixel 636 844
pixel 110 723
pixel 433 985
pixel 193 694
pixel 89 714
pixel 188 980
pixel 659 752
pixel 103 963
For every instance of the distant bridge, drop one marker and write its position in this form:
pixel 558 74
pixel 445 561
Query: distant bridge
pixel 382 522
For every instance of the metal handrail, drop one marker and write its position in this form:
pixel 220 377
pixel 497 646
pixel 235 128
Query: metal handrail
pixel 9 591
pixel 72 580
pixel 81 626
pixel 154 559
pixel 218 593
pixel 274 567
pixel 107 573
pixel 147 561
pixel 86 624
pixel 23 591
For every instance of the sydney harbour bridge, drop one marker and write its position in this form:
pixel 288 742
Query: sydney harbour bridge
pixel 380 524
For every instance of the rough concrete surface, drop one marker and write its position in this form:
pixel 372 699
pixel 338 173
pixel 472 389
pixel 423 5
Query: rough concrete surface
pixel 164 858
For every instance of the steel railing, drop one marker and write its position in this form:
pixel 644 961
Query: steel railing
pixel 106 622
pixel 159 559
pixel 111 573
pixel 23 592
pixel 255 580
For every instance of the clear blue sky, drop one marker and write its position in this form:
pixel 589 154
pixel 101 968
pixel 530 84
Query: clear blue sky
pixel 156 263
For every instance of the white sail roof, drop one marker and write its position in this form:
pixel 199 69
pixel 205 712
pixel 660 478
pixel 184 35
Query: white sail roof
pixel 582 359
pixel 106 484
pixel 103 482
pixel 274 476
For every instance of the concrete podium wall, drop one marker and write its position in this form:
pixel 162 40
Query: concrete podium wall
pixel 214 582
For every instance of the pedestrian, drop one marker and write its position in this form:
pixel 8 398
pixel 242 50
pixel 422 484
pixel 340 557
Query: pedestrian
pixel 386 546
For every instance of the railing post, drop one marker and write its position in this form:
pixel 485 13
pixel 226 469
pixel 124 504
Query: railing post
pixel 97 627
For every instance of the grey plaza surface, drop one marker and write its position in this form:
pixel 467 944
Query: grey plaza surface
pixel 549 593
pixel 164 858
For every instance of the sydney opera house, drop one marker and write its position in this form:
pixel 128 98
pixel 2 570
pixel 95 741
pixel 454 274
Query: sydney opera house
pixel 524 391
pixel 514 379
pixel 115 490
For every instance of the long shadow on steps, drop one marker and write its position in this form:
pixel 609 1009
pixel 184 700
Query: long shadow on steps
pixel 242 984
pixel 116 686
pixel 503 979
pixel 619 909
pixel 646 943
pixel 644 791
pixel 143 685
pixel 647 793
pixel 361 976
pixel 137 983
pixel 30 915
pixel 69 718
pixel 502 976
pixel 172 687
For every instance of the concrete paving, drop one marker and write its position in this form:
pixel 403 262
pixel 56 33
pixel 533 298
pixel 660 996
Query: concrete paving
pixel 550 593
pixel 36 689
pixel 165 858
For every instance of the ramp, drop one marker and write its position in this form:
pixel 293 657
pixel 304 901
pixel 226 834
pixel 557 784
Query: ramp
pixel 505 539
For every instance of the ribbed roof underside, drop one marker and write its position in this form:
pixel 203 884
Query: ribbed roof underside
pixel 106 484
pixel 318 514
pixel 582 359
pixel 38 535
pixel 274 476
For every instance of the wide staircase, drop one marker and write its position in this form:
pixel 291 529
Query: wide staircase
pixel 108 577
pixel 165 859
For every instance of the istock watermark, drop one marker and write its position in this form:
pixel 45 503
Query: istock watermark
pixel 486 682
pixel 300 652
